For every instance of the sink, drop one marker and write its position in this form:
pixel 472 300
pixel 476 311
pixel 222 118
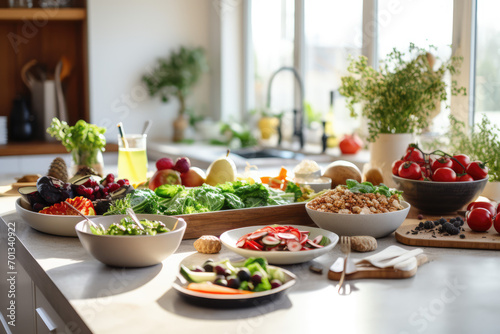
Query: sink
pixel 271 153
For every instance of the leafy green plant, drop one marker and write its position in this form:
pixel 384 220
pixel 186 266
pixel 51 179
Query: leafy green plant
pixel 176 75
pixel 312 115
pixel 82 139
pixel 237 132
pixel 399 97
pixel 481 143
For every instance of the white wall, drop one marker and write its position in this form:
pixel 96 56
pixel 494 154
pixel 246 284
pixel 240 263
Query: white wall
pixel 126 37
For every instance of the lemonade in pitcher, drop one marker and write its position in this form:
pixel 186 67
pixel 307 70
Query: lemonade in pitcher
pixel 132 159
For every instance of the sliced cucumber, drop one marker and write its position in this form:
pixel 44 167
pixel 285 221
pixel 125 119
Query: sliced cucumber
pixel 270 241
pixel 197 277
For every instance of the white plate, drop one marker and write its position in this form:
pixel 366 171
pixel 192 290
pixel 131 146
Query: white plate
pixel 230 238
pixel 232 301
pixel 53 224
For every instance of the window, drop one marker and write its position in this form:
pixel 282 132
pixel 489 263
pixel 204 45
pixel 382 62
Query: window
pixel 272 28
pixel 330 37
pixel 487 101
pixel 404 22
pixel 332 30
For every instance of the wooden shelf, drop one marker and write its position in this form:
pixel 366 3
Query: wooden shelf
pixel 41 147
pixel 42 14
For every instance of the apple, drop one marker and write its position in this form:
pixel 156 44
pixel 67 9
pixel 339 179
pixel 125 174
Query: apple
pixel 164 176
pixel 194 177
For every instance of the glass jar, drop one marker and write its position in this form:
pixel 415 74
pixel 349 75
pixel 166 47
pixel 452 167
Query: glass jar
pixel 82 158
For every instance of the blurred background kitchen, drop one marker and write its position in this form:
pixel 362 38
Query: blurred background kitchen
pixel 77 59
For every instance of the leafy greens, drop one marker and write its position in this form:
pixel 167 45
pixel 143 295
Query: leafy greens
pixel 367 187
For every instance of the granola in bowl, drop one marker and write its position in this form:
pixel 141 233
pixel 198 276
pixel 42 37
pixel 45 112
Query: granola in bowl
pixel 359 209
pixel 342 200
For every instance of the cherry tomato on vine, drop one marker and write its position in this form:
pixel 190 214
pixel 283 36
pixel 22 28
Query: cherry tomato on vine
pixel 479 220
pixel 496 223
pixel 426 172
pixel 477 170
pixel 441 162
pixel 444 174
pixel 464 177
pixel 414 154
pixel 463 159
pixel 410 170
pixel 395 167
pixel 485 205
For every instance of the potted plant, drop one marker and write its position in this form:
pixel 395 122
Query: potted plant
pixel 480 144
pixel 85 141
pixel 176 76
pixel 397 100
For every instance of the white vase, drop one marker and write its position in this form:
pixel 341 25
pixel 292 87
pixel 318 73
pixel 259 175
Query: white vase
pixel 492 191
pixel 385 150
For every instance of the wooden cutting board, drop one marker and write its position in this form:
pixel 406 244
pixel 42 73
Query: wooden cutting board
pixel 368 271
pixel 476 240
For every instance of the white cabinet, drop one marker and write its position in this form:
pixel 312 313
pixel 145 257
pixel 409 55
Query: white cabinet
pixel 16 290
pixel 47 319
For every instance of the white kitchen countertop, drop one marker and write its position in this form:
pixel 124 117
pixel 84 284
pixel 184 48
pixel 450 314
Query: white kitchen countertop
pixel 456 292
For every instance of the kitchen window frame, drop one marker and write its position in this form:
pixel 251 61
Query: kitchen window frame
pixel 463 45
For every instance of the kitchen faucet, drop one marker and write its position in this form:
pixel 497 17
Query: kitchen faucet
pixel 298 114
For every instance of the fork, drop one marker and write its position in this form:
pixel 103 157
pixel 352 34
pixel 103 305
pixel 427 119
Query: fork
pixel 345 247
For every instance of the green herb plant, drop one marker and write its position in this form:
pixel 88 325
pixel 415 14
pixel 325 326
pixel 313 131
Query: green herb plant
pixel 176 75
pixel 481 143
pixel 399 97
pixel 83 140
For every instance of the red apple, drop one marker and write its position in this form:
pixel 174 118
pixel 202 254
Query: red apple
pixel 194 177
pixel 164 176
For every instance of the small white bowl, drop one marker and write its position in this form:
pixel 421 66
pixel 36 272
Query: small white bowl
pixel 317 184
pixel 131 250
pixel 229 239
pixel 377 225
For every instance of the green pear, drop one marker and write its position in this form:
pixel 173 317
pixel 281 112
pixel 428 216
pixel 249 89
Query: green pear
pixel 221 170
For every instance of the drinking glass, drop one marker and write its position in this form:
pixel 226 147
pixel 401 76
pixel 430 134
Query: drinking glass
pixel 132 158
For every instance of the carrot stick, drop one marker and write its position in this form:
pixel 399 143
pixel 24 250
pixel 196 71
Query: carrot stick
pixel 265 179
pixel 216 289
pixel 282 174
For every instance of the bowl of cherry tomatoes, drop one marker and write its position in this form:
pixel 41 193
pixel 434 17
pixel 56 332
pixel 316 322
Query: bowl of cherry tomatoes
pixel 438 182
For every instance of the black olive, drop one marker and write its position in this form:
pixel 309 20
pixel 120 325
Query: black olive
pixel 233 282
pixel 244 274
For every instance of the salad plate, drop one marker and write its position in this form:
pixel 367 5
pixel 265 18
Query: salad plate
pixel 230 238
pixel 232 301
pixel 62 225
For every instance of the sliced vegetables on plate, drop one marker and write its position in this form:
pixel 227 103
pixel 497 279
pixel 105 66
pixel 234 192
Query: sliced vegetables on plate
pixel 281 238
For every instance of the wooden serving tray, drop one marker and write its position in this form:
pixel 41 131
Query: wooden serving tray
pixel 475 240
pixel 366 270
pixel 216 223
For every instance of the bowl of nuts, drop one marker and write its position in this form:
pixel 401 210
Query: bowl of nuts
pixel 349 213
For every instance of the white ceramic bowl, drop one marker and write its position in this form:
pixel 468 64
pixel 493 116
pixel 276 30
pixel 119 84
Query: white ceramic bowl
pixel 317 184
pixel 229 239
pixel 376 225
pixel 131 250
pixel 53 224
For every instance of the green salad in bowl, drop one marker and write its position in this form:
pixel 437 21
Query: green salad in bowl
pixel 127 226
